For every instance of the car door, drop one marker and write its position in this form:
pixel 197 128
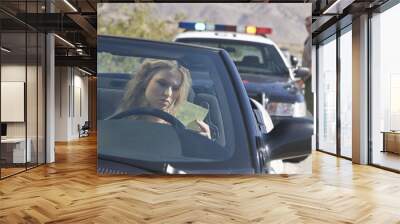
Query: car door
pixel 128 145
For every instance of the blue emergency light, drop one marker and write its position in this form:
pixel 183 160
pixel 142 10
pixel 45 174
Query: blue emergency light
pixel 187 25
pixel 192 26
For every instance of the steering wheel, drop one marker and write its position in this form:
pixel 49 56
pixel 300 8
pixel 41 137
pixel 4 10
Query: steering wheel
pixel 152 112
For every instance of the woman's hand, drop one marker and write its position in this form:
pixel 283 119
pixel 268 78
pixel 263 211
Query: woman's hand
pixel 204 129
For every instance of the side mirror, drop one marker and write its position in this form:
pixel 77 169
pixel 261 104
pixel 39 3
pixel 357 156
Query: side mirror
pixel 302 72
pixel 264 121
pixel 290 139
pixel 294 61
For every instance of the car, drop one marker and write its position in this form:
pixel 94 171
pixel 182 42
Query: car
pixel 265 72
pixel 243 139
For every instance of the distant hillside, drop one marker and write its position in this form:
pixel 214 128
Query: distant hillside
pixel 286 19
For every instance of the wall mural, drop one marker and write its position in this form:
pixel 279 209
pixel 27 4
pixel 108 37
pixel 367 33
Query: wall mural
pixel 177 95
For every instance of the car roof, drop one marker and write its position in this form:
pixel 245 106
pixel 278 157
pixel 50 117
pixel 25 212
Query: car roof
pixel 225 35
pixel 166 43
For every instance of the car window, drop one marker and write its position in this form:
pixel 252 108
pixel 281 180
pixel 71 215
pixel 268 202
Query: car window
pixel 149 83
pixel 249 57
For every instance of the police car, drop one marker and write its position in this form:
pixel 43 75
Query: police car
pixel 265 72
pixel 243 139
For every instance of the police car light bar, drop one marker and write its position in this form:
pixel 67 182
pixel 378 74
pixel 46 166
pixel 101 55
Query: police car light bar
pixel 220 27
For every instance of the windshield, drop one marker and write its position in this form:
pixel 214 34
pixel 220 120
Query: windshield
pixel 253 58
pixel 160 107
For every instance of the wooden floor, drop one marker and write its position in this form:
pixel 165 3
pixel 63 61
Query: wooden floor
pixel 10 171
pixel 70 191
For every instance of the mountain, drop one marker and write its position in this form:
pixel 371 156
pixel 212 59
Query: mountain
pixel 285 19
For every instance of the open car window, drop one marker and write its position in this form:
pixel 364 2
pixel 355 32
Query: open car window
pixel 137 133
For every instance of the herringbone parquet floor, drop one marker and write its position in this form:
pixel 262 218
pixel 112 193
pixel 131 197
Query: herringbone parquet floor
pixel 70 191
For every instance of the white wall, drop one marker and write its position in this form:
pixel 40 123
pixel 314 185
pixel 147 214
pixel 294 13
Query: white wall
pixel 12 101
pixel 81 82
pixel 79 112
pixel 61 103
pixel 33 105
pixel 14 72
pixel 70 83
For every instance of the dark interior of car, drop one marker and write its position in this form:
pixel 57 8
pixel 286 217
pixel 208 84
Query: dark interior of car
pixel 111 89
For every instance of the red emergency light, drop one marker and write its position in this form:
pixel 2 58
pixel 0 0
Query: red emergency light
pixel 263 30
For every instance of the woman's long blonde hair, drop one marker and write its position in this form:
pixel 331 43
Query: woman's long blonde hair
pixel 136 87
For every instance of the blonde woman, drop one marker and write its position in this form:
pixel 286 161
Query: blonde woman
pixel 162 85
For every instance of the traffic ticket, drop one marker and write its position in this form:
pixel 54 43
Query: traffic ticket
pixel 188 113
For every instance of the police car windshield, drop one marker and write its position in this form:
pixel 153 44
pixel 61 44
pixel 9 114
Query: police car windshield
pixel 249 57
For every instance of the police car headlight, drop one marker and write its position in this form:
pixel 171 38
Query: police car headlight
pixel 286 109
pixel 300 110
pixel 280 109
